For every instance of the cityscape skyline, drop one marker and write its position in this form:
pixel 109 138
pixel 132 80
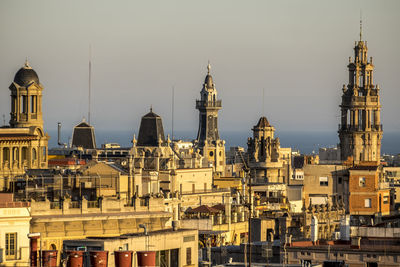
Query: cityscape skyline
pixel 145 71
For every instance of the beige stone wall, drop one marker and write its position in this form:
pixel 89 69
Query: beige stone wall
pixel 15 220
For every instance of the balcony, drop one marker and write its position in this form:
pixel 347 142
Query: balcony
pixel 208 104
pixel 93 204
pixel 55 205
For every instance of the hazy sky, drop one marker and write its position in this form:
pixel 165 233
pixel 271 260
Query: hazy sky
pixel 297 51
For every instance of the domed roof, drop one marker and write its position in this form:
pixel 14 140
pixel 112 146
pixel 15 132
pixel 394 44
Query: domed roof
pixel 26 75
pixel 208 81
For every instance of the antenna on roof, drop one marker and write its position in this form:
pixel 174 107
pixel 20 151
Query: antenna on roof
pixel 173 104
pixel 360 25
pixel 263 103
pixel 90 79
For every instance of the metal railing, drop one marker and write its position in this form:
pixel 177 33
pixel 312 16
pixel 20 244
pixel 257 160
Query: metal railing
pixel 55 205
pixel 74 205
pixel 92 204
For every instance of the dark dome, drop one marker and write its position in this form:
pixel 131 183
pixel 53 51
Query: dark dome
pixel 26 75
pixel 209 81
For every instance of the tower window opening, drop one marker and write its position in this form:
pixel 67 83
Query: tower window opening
pixel 361 81
pixel 33 104
pixel 24 104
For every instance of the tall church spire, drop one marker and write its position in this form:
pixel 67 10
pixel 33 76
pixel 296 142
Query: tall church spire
pixel 360 25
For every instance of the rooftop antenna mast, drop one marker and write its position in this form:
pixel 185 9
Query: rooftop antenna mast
pixel 173 107
pixel 360 25
pixel 263 103
pixel 90 80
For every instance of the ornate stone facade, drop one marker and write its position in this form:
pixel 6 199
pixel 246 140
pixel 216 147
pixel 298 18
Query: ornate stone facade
pixel 23 144
pixel 267 162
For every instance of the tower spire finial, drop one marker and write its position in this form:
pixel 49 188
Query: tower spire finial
pixel 208 67
pixel 360 25
pixel 151 108
pixel 26 65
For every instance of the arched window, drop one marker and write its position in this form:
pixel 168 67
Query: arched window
pixel 15 154
pixel 44 153
pixel 6 154
pixel 24 153
pixel 34 155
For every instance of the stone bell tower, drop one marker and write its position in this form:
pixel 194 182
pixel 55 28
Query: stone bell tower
pixel 208 141
pixel 360 131
pixel 26 99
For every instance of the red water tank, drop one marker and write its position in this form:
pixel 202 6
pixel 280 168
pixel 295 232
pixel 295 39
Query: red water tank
pixel 75 258
pixel 123 258
pixel 49 258
pixel 146 258
pixel 98 258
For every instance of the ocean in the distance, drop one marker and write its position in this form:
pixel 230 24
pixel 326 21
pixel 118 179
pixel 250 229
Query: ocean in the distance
pixel 306 142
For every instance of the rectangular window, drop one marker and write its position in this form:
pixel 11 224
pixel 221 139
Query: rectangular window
pixel 189 238
pixel 385 199
pixel 323 181
pixel 361 182
pixel 11 246
pixel 188 256
pixel 340 180
pixel 367 203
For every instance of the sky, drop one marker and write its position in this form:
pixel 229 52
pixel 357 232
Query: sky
pixel 295 53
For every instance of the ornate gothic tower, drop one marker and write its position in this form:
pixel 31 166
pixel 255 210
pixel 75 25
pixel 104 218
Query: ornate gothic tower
pixel 360 131
pixel 26 99
pixel 264 155
pixel 211 146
